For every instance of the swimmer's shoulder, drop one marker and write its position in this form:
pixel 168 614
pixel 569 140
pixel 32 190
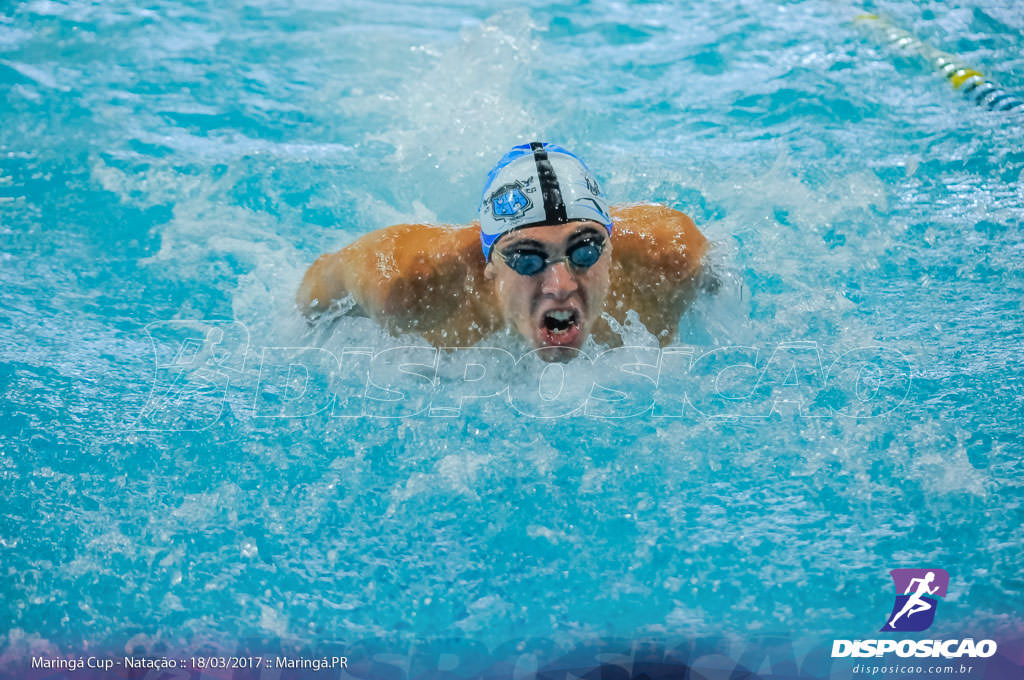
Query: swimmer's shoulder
pixel 426 279
pixel 656 264
pixel 383 269
pixel 651 235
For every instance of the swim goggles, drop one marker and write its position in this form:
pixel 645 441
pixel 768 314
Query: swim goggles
pixel 529 261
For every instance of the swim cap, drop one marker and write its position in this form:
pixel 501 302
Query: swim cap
pixel 538 183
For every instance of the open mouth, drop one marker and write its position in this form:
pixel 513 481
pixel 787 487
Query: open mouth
pixel 560 326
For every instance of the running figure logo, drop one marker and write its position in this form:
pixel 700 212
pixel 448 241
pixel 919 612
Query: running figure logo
pixel 917 591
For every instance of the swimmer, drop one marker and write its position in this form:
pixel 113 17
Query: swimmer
pixel 914 603
pixel 548 259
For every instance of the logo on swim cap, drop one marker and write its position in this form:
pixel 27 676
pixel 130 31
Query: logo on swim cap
pixel 510 200
pixel 568 192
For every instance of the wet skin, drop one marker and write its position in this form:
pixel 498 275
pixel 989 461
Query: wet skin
pixel 558 307
pixel 434 280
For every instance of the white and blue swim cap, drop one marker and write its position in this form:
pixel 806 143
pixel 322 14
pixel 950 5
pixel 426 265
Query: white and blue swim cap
pixel 538 183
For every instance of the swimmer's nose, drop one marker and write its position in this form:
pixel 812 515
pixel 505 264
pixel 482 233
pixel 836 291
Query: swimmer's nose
pixel 559 281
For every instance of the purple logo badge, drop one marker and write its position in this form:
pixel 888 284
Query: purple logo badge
pixel 917 593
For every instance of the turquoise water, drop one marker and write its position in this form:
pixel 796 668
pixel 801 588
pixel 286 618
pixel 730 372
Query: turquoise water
pixel 167 173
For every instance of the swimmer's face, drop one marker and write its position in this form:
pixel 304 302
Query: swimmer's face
pixel 555 308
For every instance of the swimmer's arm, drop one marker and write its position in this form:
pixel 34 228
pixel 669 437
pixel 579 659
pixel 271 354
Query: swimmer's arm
pixel 659 256
pixel 366 269
pixel 409 278
pixel 323 284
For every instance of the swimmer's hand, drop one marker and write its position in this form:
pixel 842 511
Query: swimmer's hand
pixel 345 307
pixel 323 289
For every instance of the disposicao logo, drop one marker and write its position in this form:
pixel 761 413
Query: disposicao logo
pixel 917 593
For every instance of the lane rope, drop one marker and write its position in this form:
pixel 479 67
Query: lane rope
pixel 970 82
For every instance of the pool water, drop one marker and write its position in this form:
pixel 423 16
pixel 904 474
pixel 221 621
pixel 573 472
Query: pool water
pixel 168 172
